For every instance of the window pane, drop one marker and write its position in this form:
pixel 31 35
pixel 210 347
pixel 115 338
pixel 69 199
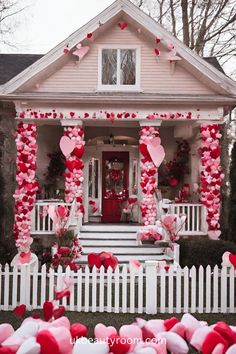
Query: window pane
pixel 127 66
pixel 109 66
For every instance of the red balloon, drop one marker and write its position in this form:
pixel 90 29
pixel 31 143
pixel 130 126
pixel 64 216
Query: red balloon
pixel 78 151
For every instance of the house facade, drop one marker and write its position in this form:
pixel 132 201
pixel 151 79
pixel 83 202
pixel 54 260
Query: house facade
pixel 117 117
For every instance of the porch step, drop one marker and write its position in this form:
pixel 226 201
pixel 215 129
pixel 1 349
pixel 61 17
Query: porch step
pixel 110 228
pixel 125 259
pixel 102 235
pixel 121 241
pixel 120 250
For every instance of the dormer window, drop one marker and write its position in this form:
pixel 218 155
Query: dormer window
pixel 119 69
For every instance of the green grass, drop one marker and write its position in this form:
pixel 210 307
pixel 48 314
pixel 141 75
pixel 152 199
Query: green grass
pixel 117 320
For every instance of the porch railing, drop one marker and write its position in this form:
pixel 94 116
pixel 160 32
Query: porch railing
pixel 41 223
pixel 196 218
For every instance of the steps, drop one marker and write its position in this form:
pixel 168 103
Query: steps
pixel 119 240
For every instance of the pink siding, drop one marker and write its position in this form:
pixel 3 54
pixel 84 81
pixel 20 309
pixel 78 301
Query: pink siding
pixel 156 74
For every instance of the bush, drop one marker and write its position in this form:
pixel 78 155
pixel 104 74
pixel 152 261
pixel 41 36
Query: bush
pixel 203 251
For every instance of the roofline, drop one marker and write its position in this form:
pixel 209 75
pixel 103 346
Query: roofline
pixel 228 85
pixel 129 98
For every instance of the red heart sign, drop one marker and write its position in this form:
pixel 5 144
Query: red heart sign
pixel 122 25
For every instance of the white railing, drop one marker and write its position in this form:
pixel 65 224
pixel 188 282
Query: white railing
pixel 196 218
pixel 143 290
pixel 41 223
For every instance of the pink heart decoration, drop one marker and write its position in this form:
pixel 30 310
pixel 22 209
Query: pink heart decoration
pixel 102 332
pixel 214 234
pixel 67 145
pixel 156 151
pixel 81 52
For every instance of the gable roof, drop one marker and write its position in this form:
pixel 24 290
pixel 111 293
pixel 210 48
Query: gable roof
pixel 13 64
pixel 206 70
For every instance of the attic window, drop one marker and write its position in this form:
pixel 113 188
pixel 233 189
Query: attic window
pixel 119 69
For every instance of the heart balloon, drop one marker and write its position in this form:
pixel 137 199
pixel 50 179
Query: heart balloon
pixel 84 346
pixel 102 332
pixel 214 234
pixel 30 346
pixel 156 151
pixel 232 259
pixel 67 145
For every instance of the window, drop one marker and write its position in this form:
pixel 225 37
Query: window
pixel 119 69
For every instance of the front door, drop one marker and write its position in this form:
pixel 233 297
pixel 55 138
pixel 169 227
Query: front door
pixel 115 181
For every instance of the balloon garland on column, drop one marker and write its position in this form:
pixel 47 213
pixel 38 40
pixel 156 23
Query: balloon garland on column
pixel 74 167
pixel 148 176
pixel 211 176
pixel 27 186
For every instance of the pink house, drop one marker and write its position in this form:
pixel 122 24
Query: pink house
pixel 140 114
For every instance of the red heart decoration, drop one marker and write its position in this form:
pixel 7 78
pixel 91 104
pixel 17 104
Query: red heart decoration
pixel 156 51
pixel 158 40
pixel 20 310
pixel 59 312
pixel 232 259
pixel 89 35
pixel 104 255
pixel 7 350
pixel 144 151
pixel 170 322
pixel 94 260
pixel 48 310
pixel 79 151
pixel 122 25
pixel 212 339
pixel 226 332
pixel 111 262
pixel 147 334
pixel 47 342
pixel 118 345
pixel 78 330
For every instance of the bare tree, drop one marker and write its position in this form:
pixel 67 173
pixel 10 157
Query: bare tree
pixel 206 26
pixel 9 18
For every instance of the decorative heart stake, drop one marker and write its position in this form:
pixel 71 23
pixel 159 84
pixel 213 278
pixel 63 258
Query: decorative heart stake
pixel 67 145
pixel 20 310
pixel 156 151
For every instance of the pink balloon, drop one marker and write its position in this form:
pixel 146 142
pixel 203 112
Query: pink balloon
pixel 156 151
pixel 102 332
pixel 214 234
pixel 67 145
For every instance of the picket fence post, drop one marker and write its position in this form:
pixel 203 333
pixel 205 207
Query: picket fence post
pixel 151 287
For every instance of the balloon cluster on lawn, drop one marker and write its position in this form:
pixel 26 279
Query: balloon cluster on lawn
pixel 58 336
pixel 27 186
pixel 74 168
pixel 148 176
pixel 211 176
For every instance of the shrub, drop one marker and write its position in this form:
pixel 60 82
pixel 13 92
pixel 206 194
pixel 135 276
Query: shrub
pixel 203 251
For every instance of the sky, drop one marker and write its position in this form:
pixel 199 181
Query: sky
pixel 45 23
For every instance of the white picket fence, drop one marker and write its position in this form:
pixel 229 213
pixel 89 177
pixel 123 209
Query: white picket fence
pixel 143 290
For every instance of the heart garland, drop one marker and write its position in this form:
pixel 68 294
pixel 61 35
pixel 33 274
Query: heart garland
pixel 211 176
pixel 74 168
pixel 148 174
pixel 27 186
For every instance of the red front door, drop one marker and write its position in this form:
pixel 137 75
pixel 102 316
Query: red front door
pixel 115 181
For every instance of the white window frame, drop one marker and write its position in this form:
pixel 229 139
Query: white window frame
pixel 118 87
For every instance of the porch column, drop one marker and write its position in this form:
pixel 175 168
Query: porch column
pixel 148 171
pixel 211 176
pixel 27 186
pixel 74 168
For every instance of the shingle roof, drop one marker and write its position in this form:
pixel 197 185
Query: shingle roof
pixel 13 64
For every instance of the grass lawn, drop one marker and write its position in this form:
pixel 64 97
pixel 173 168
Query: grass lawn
pixel 117 320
